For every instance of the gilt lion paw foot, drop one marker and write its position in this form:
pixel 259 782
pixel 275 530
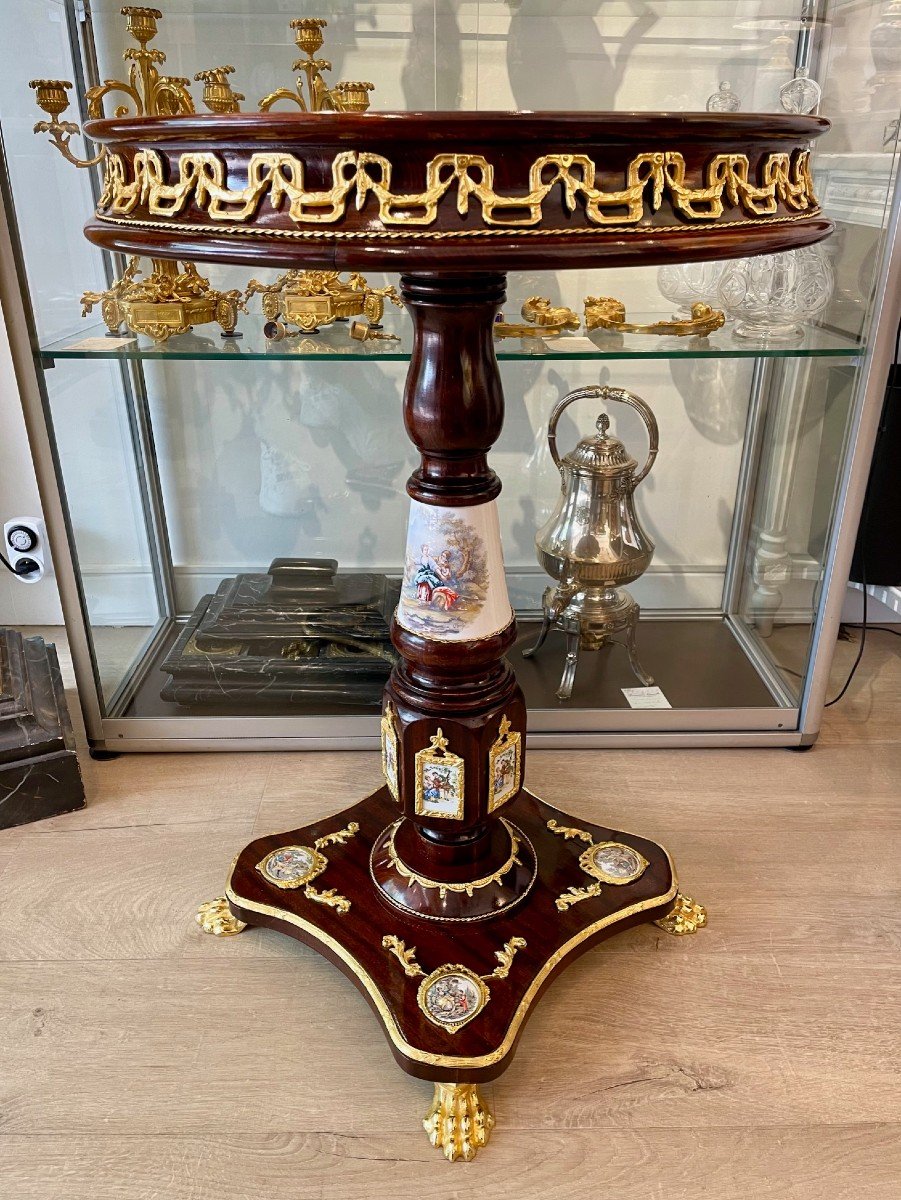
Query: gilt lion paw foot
pixel 214 916
pixel 459 1121
pixel 684 917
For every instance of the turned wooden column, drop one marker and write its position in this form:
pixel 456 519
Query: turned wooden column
pixel 454 622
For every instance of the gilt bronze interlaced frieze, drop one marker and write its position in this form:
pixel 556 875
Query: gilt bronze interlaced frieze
pixel 151 186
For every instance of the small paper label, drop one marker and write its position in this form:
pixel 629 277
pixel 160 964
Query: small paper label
pixel 101 343
pixel 646 697
pixel 571 345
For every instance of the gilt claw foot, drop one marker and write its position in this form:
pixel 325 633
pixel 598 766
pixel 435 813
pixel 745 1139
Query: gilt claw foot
pixel 459 1121
pixel 684 917
pixel 214 916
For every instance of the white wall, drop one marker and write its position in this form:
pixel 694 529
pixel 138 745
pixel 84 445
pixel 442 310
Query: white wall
pixel 20 603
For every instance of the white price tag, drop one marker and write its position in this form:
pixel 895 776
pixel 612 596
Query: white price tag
pixel 570 345
pixel 101 343
pixel 646 697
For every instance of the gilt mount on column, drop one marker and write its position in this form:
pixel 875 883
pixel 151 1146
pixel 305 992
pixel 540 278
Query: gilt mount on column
pixel 459 894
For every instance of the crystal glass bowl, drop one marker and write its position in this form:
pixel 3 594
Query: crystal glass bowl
pixel 686 283
pixel 772 298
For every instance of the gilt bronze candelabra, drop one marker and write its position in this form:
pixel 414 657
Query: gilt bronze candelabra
pixel 351 96
pixel 169 300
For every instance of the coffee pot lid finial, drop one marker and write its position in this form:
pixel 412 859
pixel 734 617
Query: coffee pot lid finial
pixel 601 453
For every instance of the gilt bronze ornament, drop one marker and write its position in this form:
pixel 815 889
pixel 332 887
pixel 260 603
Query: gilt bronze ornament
pixel 311 299
pixel 542 318
pixel 372 191
pixel 604 312
pixel 165 302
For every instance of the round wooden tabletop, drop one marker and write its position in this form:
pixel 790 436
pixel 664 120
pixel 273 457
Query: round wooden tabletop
pixel 457 191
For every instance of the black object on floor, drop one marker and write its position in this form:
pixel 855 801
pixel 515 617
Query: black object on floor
pixel 878 549
pixel 39 774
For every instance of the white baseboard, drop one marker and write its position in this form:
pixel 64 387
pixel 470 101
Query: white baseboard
pixel 883 604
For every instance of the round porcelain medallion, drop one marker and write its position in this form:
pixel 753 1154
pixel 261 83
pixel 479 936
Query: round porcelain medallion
pixel 290 864
pixel 618 861
pixel 452 999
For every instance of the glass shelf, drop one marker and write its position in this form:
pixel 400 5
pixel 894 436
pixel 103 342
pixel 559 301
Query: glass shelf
pixel 334 343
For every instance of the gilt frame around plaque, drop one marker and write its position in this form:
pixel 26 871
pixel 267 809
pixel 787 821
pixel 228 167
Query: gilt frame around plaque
pixel 437 756
pixel 508 740
pixel 390 750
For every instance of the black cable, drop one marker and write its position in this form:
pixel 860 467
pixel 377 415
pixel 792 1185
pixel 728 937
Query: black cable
pixel 863 637
pixel 8 566
pixel 875 628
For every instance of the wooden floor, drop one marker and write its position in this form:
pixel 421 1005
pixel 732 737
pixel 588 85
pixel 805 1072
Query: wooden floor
pixel 758 1060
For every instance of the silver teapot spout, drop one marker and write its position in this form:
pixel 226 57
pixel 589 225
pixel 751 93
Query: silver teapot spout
pixel 593 542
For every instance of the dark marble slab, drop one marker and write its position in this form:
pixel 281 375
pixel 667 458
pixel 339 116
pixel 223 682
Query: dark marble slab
pixel 301 632
pixel 299 598
pixel 39 773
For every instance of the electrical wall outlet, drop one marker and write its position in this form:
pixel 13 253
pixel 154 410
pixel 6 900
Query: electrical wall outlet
pixel 24 546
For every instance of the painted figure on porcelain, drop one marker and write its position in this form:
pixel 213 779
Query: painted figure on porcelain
pixel 433 577
pixel 446 577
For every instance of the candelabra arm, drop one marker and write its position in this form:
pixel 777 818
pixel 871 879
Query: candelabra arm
pixel 284 94
pixel 52 97
pixel 320 95
pixel 95 97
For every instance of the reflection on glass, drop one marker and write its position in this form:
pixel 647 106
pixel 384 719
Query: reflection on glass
pixel 549 49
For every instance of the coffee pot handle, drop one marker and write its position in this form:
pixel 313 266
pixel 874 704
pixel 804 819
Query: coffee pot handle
pixel 606 394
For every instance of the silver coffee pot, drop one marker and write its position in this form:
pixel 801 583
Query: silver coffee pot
pixel 593 542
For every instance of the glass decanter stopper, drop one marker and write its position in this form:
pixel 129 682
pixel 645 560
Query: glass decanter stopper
pixel 724 99
pixel 801 94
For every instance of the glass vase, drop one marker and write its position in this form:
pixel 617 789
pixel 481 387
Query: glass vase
pixel 773 296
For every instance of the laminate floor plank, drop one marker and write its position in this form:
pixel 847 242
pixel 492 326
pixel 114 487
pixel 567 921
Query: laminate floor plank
pixel 111 893
pixel 839 1163
pixel 280 1045
pixel 143 1060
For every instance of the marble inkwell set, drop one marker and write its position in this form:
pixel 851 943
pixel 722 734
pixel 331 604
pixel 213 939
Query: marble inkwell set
pixel 451 895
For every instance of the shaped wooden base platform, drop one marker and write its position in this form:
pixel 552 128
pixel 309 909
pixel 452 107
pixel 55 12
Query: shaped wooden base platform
pixel 459 1032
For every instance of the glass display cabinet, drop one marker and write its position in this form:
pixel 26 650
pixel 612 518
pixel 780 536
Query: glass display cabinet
pixel 227 513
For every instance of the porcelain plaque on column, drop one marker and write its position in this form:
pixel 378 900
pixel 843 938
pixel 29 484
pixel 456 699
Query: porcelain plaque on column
pixel 454 588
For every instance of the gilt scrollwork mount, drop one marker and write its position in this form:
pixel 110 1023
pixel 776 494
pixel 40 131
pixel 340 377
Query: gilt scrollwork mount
pixel 293 866
pixel 607 862
pixel 452 995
